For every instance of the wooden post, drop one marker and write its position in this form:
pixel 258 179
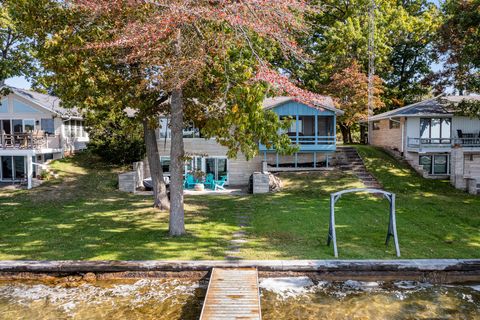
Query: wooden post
pixel 296 128
pixel 314 159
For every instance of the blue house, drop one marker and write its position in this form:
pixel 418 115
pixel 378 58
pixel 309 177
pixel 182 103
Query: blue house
pixel 312 130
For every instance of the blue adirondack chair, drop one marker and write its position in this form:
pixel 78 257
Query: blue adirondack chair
pixel 209 181
pixel 220 184
pixel 189 181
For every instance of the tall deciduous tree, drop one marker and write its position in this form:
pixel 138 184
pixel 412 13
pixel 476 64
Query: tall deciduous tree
pixel 349 87
pixel 460 41
pixel 201 61
pixel 404 34
pixel 16 49
pixel 101 83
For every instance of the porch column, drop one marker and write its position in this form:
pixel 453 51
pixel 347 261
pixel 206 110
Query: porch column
pixel 316 128
pixel 335 130
pixel 326 160
pixel 296 159
pixel 314 159
pixel 277 160
pixel 296 128
pixel 29 171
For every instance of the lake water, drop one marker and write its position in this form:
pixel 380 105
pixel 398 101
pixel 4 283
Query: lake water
pixel 281 298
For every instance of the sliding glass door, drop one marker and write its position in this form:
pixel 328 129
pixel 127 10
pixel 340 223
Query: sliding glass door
pixel 7 168
pixel 13 168
pixel 217 167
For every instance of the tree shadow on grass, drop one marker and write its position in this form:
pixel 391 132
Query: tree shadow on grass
pixel 83 216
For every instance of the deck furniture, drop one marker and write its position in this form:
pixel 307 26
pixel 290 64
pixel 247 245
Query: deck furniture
pixel 392 224
pixel 190 181
pixel 220 184
pixel 209 181
pixel 460 133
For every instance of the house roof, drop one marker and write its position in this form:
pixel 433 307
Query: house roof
pixel 325 103
pixel 47 102
pixel 437 106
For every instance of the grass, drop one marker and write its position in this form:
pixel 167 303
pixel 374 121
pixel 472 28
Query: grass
pixel 82 216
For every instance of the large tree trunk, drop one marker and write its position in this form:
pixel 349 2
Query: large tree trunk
pixel 159 188
pixel 177 224
pixel 350 140
pixel 344 130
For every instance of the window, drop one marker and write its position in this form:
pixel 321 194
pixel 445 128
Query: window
pixel 28 125
pixel 394 124
pixel 435 130
pixel 164 131
pixel 165 163
pixel 216 166
pixel 47 126
pixel 17 125
pixel 325 126
pixel 376 125
pixel 78 128
pixel 440 164
pixel 436 164
pixel 4 106
pixel 6 127
pixel 426 162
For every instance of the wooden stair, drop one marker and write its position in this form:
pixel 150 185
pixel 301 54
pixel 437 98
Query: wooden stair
pixel 232 293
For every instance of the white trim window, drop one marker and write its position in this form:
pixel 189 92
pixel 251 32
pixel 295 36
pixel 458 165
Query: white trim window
pixel 216 165
pixel 435 164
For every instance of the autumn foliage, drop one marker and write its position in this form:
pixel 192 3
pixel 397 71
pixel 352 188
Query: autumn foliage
pixel 204 30
pixel 349 88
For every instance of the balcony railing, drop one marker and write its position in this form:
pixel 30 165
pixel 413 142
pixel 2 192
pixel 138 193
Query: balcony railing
pixel 33 141
pixel 442 142
pixel 313 140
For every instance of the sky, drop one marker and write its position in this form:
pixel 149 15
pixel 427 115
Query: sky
pixel 18 82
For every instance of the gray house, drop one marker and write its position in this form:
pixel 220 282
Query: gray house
pixel 34 128
pixel 433 139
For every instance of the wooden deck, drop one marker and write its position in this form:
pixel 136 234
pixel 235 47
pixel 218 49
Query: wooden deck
pixel 232 294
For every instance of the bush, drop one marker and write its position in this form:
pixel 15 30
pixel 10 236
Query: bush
pixel 117 140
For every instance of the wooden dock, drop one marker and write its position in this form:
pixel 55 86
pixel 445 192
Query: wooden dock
pixel 232 294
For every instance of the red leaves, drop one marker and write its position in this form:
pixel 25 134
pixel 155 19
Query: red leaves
pixel 148 28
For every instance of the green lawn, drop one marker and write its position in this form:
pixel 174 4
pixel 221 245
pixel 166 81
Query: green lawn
pixel 82 216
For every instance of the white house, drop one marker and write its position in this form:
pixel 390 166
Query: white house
pixel 34 128
pixel 436 141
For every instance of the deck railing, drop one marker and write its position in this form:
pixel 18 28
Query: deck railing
pixel 29 141
pixel 442 142
pixel 313 140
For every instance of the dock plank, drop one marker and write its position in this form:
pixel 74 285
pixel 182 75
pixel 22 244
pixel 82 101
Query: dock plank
pixel 232 294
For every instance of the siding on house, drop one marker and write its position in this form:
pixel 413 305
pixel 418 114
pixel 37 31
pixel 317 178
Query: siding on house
pixel 387 137
pixel 239 169
pixel 465 124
